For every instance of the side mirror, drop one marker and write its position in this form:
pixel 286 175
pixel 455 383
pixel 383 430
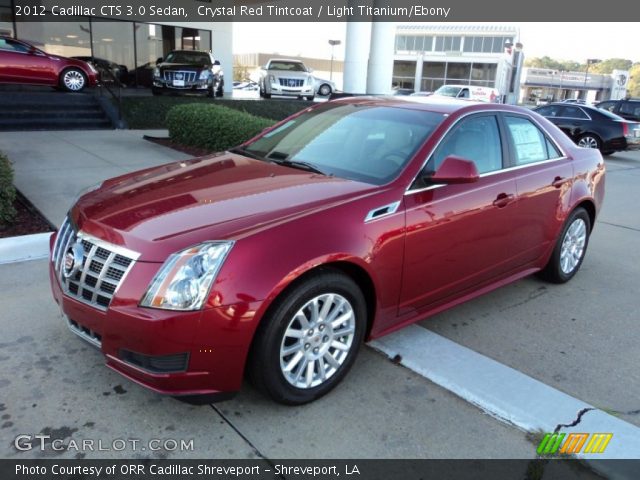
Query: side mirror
pixel 216 63
pixel 159 61
pixel 455 170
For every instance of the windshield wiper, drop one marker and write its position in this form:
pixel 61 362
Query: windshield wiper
pixel 300 165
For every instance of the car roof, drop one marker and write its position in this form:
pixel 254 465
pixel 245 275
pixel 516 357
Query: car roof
pixel 285 60
pixel 445 105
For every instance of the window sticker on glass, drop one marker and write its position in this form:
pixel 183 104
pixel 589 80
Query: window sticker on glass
pixel 529 142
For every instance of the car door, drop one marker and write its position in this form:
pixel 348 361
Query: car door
pixel 543 183
pixel 572 120
pixel 458 235
pixel 22 64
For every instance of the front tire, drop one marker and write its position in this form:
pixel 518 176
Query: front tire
pixel 73 80
pixel 324 90
pixel 309 341
pixel 570 248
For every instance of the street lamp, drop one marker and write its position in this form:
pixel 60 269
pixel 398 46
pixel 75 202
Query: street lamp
pixel 590 61
pixel 333 43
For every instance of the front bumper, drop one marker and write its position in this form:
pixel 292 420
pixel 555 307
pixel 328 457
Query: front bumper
pixel 305 91
pixel 174 353
pixel 197 86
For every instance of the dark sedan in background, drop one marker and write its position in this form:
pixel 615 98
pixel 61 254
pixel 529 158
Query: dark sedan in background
pixel 188 71
pixel 23 63
pixel 592 127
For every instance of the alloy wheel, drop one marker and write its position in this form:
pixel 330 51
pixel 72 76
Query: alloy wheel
pixel 73 80
pixel 573 245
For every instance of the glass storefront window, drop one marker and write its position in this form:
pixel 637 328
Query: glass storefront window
pixel 6 22
pixel 484 71
pixel 68 39
pixel 113 41
pixel 459 72
pixel 433 69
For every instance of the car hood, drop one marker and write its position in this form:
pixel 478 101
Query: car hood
pixel 164 209
pixel 286 74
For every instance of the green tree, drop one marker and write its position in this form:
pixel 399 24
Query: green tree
pixel 548 62
pixel 609 65
pixel 633 87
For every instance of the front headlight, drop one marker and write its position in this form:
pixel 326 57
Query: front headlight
pixel 272 78
pixel 184 281
pixel 156 72
pixel 204 75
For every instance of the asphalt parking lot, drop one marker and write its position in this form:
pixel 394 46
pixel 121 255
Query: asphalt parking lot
pixel 579 338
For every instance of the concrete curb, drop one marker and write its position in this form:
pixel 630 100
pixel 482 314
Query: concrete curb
pixel 25 247
pixel 510 395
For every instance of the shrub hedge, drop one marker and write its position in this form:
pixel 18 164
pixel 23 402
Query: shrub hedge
pixel 7 191
pixel 212 127
pixel 151 112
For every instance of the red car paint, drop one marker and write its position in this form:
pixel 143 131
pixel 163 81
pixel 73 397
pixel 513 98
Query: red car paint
pixel 36 67
pixel 443 245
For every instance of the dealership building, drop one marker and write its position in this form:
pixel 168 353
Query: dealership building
pixel 135 45
pixel 541 85
pixel 429 56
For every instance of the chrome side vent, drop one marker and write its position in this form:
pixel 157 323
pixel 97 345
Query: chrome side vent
pixel 383 211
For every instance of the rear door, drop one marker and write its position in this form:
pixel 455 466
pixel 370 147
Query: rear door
pixel 543 183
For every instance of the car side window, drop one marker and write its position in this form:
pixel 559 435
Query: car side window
pixel 611 106
pixel 549 111
pixel 6 44
pixel 573 112
pixel 630 108
pixel 477 139
pixel 531 145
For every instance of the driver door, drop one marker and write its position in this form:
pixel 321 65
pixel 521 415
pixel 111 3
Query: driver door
pixel 459 235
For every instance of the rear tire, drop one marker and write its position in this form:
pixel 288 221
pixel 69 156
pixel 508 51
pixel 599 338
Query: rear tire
pixel 589 140
pixel 309 340
pixel 570 248
pixel 324 90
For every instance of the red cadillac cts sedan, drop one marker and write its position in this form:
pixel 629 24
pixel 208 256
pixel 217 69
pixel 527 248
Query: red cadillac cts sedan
pixel 22 63
pixel 340 224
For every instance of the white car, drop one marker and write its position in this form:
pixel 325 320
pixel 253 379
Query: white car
pixel 471 92
pixel 324 87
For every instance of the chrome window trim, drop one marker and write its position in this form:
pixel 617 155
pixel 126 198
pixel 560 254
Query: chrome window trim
pixel 489 174
pixel 526 115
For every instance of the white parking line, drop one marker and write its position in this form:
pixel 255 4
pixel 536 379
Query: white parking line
pixel 25 247
pixel 507 394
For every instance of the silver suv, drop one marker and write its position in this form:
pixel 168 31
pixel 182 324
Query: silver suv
pixel 286 77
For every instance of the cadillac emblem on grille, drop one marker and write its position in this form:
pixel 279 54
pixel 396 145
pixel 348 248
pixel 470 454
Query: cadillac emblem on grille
pixel 292 83
pixel 179 76
pixel 73 259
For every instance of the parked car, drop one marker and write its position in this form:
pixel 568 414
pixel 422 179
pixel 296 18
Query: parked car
pixel 323 87
pixel 339 224
pixel 628 108
pixel 480 94
pixel 245 85
pixel 421 94
pixel 286 77
pixel 592 127
pixel 119 72
pixel 23 63
pixel 578 101
pixel 188 71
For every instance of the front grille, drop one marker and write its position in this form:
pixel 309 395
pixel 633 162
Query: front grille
pixel 186 75
pixel 157 363
pixel 291 82
pixel 103 267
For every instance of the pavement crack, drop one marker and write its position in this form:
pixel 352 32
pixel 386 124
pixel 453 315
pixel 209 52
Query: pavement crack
pixel 620 226
pixel 575 422
pixel 255 449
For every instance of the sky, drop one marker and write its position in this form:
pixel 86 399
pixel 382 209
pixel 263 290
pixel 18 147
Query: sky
pixel 562 41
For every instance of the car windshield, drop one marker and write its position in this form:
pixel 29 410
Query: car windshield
pixel 448 91
pixel 367 143
pixel 287 66
pixel 194 58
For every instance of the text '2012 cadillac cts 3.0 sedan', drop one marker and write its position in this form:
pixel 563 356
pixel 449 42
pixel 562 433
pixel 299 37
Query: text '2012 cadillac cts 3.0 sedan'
pixel 340 224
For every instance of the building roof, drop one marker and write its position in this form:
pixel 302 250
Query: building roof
pixel 459 29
